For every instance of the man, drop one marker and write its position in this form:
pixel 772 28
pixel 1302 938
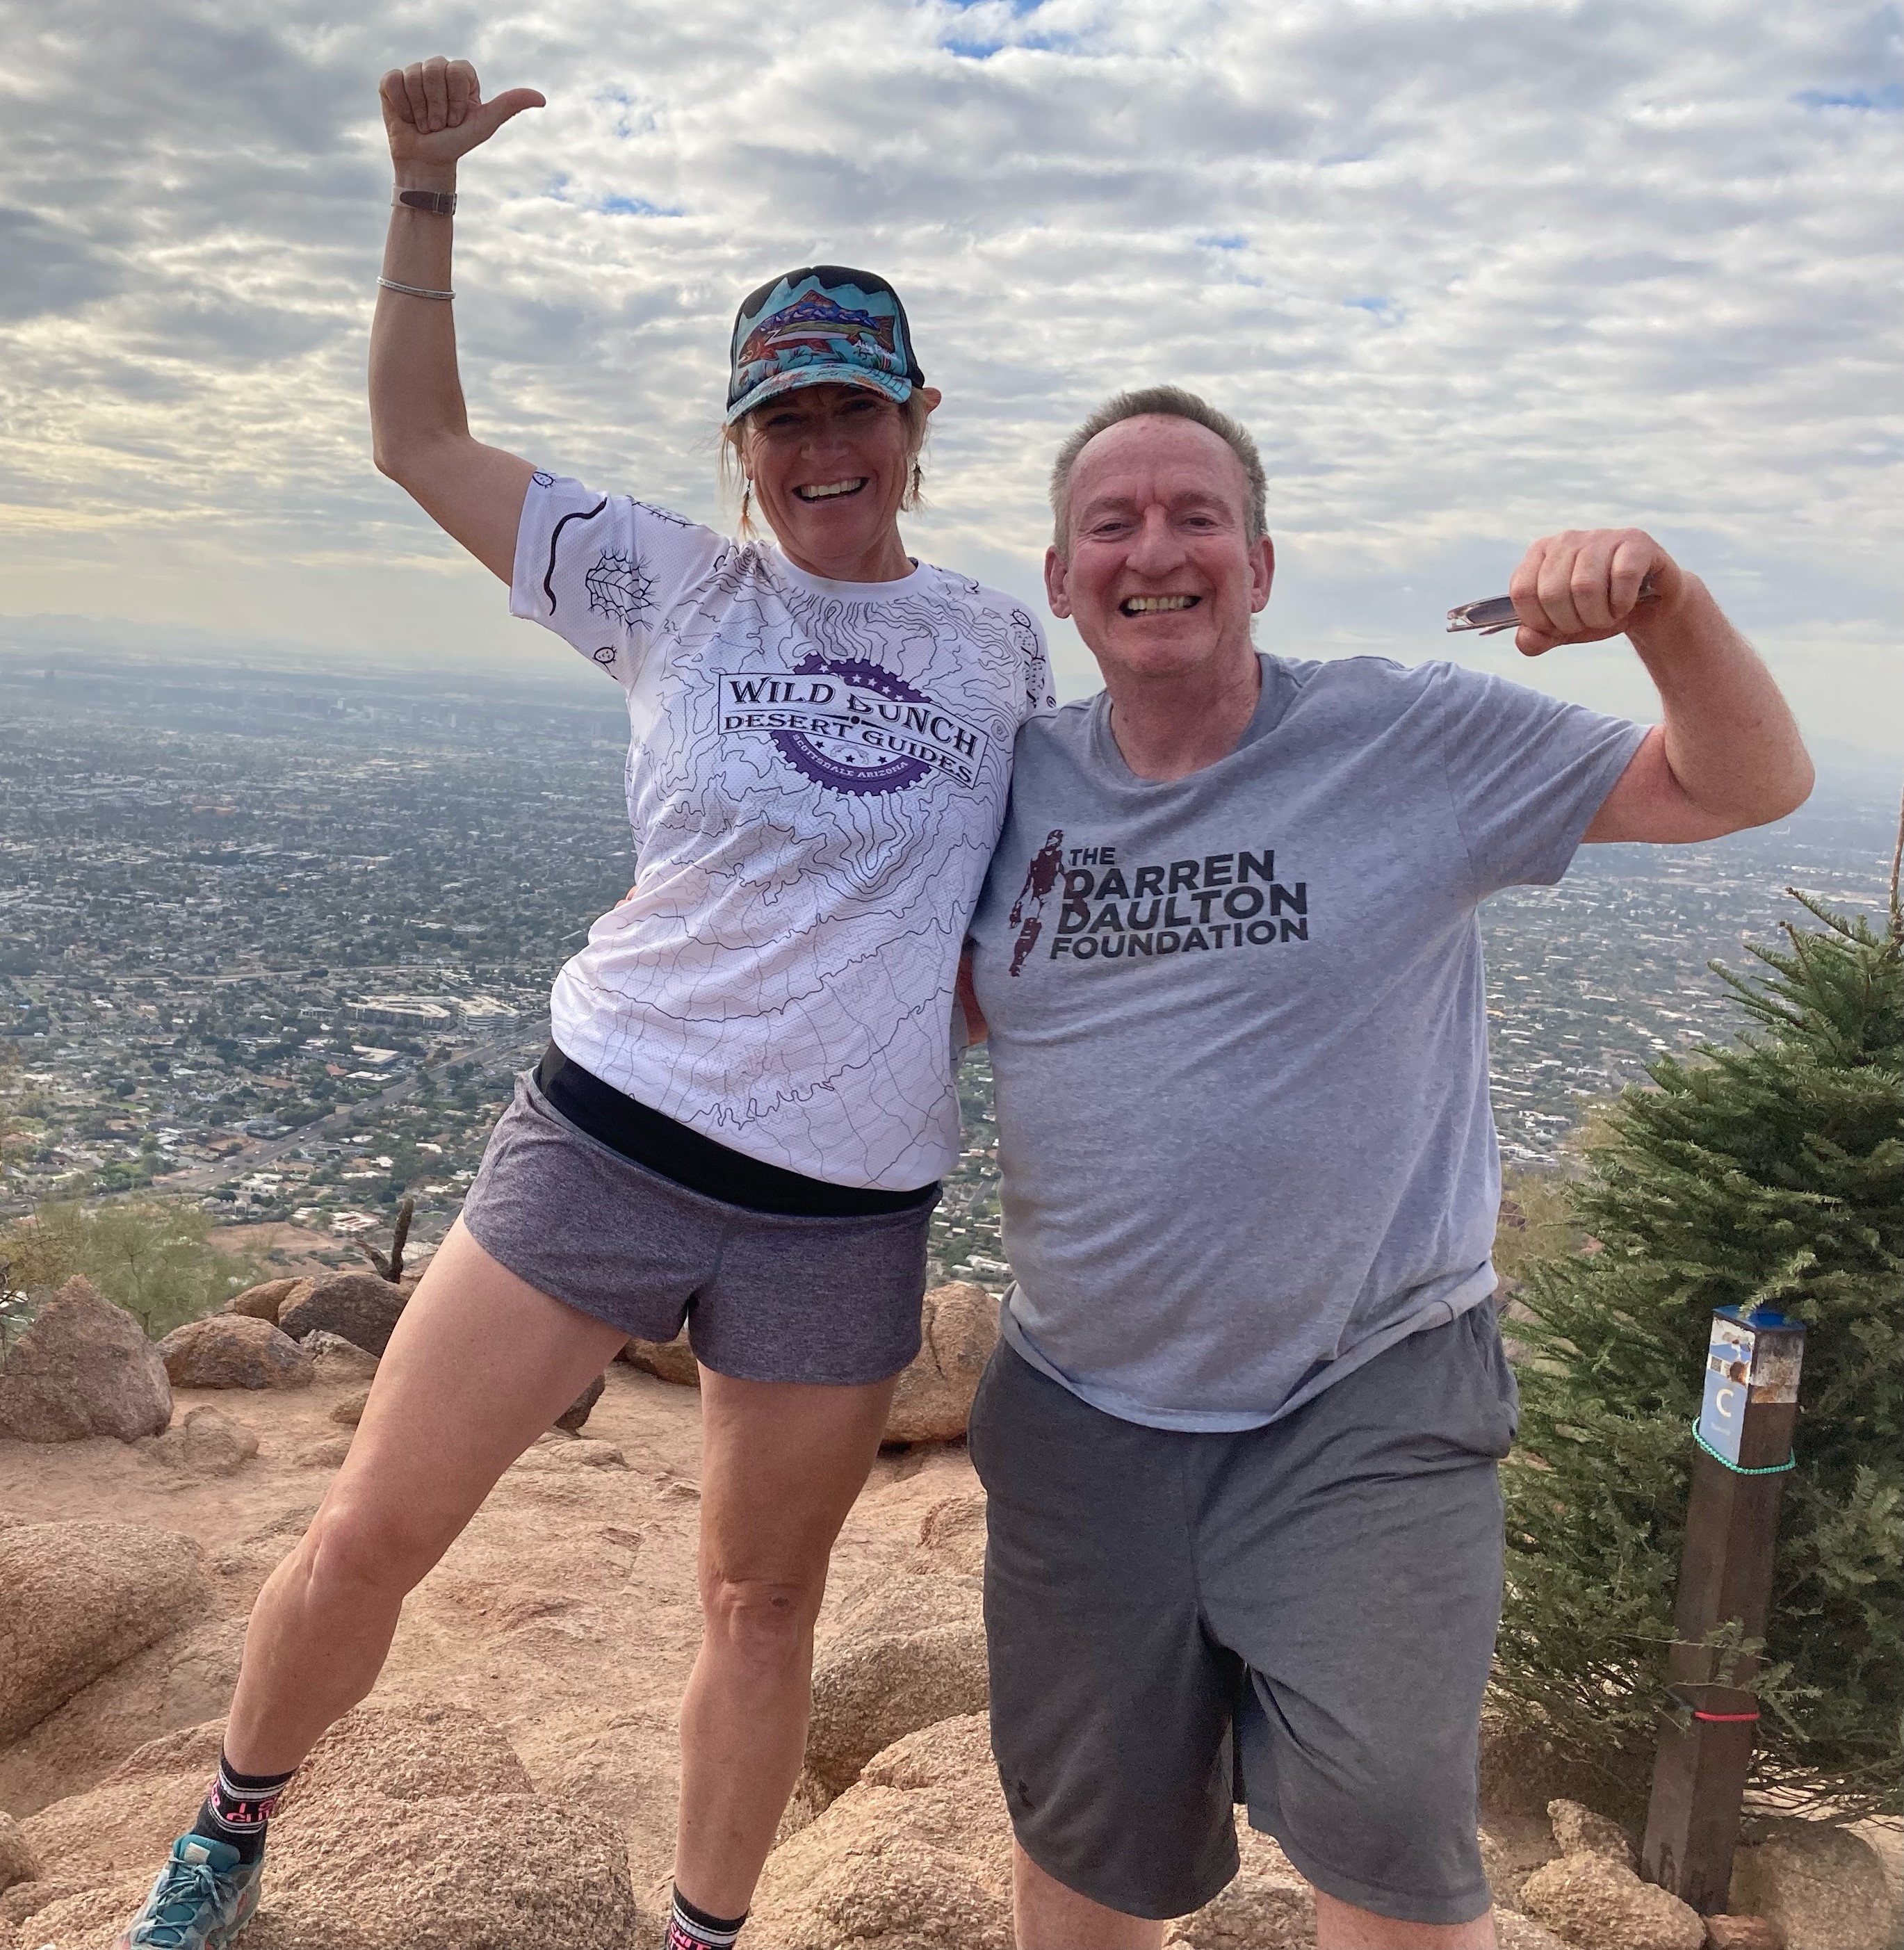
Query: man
pixel 1241 1437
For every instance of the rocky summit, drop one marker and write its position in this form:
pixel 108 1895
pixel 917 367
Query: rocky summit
pixel 516 1762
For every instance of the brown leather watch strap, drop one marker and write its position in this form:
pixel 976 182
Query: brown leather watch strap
pixel 436 202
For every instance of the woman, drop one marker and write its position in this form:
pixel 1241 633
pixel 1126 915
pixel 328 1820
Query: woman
pixel 749 1097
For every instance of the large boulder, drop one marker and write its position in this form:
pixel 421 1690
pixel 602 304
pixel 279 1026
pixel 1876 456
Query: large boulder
pixel 1599 1903
pixel 265 1301
pixel 959 1328
pixel 207 1443
pixel 915 1855
pixel 361 1307
pixel 75 1598
pixel 901 1653
pixel 234 1350
pixel 468 1856
pixel 177 1682
pixel 83 1368
pixel 19 1859
pixel 1824 1886
pixel 117 1831
pixel 951 1536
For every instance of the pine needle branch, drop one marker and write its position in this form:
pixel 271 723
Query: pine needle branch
pixel 1897 873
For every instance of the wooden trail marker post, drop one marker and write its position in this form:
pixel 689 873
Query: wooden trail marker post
pixel 1745 1433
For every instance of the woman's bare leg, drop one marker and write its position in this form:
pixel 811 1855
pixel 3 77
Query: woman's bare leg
pixel 481 1364
pixel 781 1463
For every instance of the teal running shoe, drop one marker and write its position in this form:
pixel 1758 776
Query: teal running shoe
pixel 204 1897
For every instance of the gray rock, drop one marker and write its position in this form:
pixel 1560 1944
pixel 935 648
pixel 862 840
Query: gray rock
pixel 83 1368
pixel 578 1411
pixel 335 1358
pixel 901 1653
pixel 76 1599
pixel 1744 1933
pixel 1597 1904
pixel 234 1350
pixel 1579 1831
pixel 359 1306
pixel 666 1361
pixel 350 1411
pixel 207 1442
pixel 1822 1885
pixel 264 1302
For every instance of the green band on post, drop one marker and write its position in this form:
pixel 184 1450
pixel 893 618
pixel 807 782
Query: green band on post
pixel 1738 1469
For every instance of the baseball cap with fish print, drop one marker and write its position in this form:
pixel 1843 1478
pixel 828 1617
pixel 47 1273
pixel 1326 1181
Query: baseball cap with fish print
pixel 824 324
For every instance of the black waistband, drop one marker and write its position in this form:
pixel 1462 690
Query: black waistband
pixel 660 1145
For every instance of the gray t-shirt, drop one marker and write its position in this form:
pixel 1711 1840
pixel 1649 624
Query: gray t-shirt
pixel 1239 1028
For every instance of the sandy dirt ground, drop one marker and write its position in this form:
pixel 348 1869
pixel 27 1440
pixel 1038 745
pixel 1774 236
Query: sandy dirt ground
pixel 287 1251
pixel 566 1611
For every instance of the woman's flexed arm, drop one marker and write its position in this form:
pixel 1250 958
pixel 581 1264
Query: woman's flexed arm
pixel 434 113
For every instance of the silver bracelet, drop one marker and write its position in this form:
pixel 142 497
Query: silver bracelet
pixel 413 291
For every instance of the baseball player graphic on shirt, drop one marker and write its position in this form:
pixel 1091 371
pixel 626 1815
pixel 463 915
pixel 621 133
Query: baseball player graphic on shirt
pixel 1046 864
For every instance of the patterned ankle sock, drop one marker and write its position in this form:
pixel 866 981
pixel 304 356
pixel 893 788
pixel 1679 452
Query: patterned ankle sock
pixel 239 1809
pixel 691 1929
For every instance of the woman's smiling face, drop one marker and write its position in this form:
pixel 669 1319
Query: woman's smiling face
pixel 830 466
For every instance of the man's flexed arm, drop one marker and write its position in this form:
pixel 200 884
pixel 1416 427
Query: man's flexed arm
pixel 1728 755
pixel 434 113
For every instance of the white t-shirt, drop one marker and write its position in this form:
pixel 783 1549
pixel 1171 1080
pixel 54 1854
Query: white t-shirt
pixel 816 778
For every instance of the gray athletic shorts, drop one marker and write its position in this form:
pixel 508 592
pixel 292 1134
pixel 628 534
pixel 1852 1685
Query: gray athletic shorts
pixel 767 1297
pixel 1300 1617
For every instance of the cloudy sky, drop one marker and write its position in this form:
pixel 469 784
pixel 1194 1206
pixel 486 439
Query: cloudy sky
pixel 1473 270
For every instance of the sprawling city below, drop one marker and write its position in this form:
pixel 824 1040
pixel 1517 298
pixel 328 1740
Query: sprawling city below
pixel 277 942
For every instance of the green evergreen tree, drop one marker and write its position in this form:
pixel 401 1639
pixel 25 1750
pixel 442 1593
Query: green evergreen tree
pixel 1770 1174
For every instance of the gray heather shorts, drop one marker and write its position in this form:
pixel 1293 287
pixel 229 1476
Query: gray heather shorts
pixel 767 1297
pixel 1300 1617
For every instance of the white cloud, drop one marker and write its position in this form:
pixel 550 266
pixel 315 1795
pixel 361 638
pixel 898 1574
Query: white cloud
pixel 1473 272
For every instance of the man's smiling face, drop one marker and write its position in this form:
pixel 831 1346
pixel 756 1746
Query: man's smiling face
pixel 1161 578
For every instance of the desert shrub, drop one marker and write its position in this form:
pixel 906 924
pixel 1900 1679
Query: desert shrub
pixel 153 1259
pixel 1767 1173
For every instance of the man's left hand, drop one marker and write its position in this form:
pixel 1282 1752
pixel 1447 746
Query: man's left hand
pixel 1584 586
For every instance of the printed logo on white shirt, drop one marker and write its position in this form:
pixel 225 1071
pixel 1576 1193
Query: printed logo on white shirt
pixel 852 725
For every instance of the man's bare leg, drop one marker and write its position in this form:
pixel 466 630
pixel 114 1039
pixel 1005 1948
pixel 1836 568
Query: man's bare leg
pixel 1050 1916
pixel 480 1365
pixel 1340 1925
pixel 781 1463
